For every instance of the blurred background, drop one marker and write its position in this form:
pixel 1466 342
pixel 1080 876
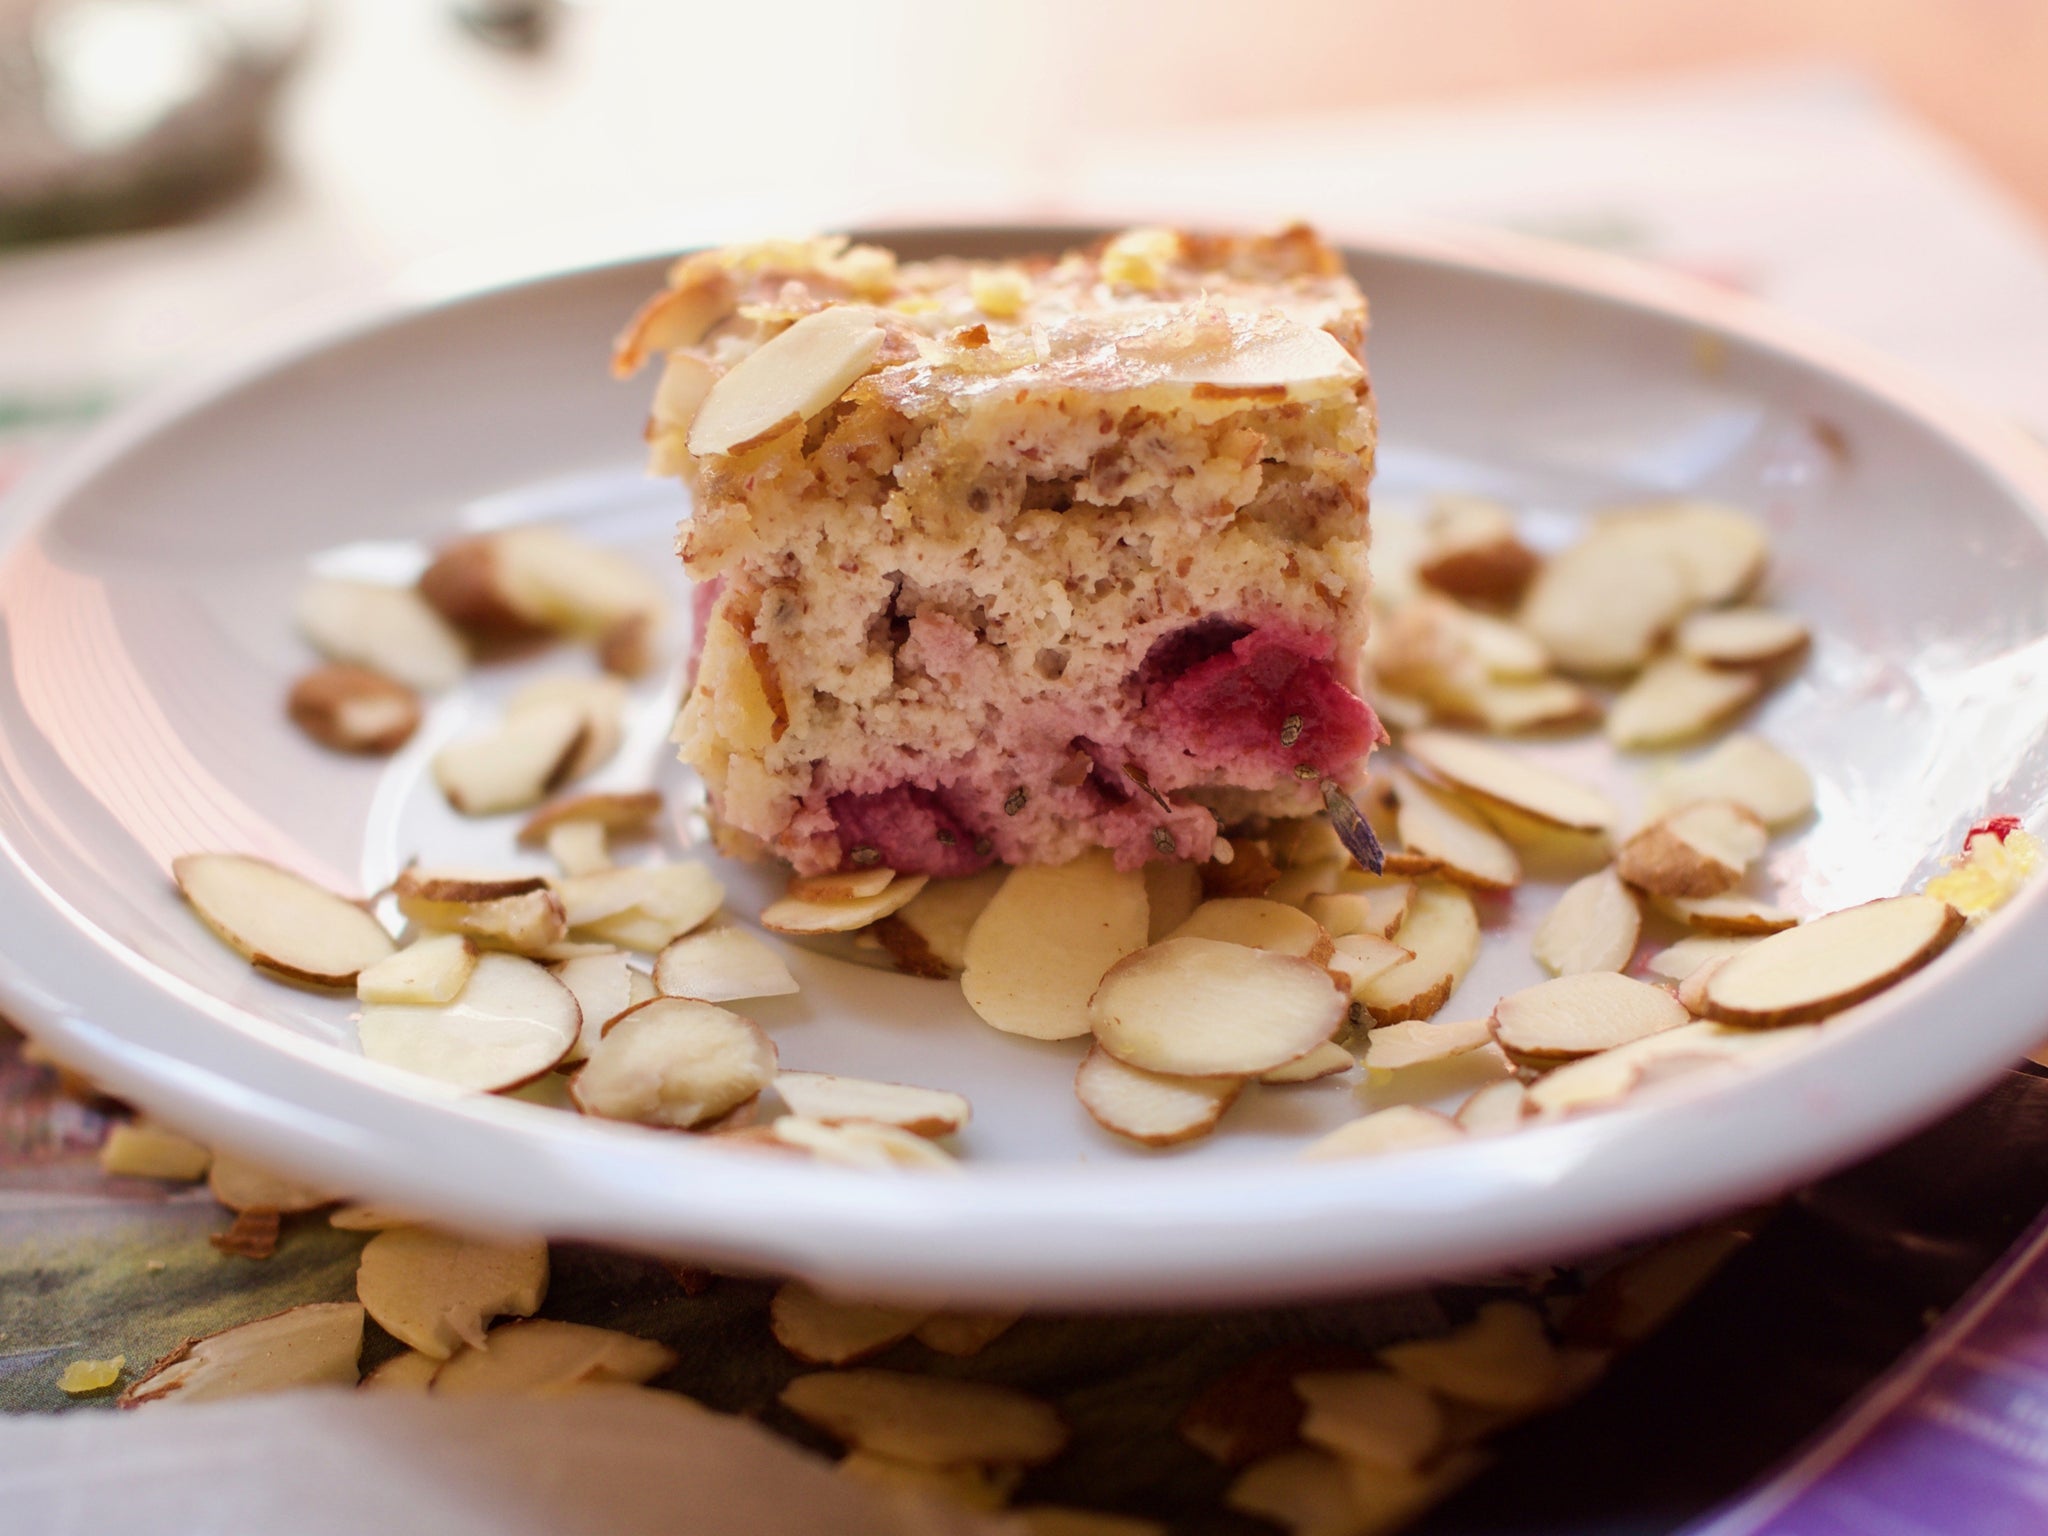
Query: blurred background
pixel 176 175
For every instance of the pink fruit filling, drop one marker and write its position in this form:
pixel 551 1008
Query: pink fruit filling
pixel 907 829
pixel 1254 704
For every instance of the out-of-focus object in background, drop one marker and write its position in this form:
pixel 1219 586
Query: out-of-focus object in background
pixel 522 25
pixel 116 113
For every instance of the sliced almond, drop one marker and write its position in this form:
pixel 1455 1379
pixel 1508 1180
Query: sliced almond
pixel 796 913
pixel 1306 1492
pixel 821 1331
pixel 1741 637
pixel 1395 1129
pixel 1374 913
pixel 433 969
pixel 461 585
pixel 927 1420
pixel 241 1185
pixel 1371 1416
pixel 1326 1060
pixel 628 649
pixel 1583 1013
pixel 370 1218
pixel 962 1487
pixel 604 987
pixel 525 923
pixel 1472 552
pixel 621 814
pixel 1702 849
pixel 1037 952
pixel 722 965
pixel 1190 1007
pixel 511 1022
pixel 1148 1108
pixel 964 1333
pixel 641 906
pixel 1259 924
pixel 139 1150
pixel 1729 913
pixel 1512 708
pixel 540 1355
pixel 436 1292
pixel 1441 931
pixel 697 298
pixel 1745 769
pixel 580 848
pixel 1418 1042
pixel 1491 774
pixel 1692 991
pixel 1676 699
pixel 1173 889
pixel 844 885
pixel 1832 962
pixel 1602 605
pixel 1301 884
pixel 832 1100
pixel 551 578
pixel 787 380
pixel 1494 1109
pixel 389 630
pixel 1721 549
pixel 862 1144
pixel 315 1345
pixel 928 934
pixel 1359 958
pixel 281 922
pixel 602 703
pixel 518 762
pixel 1501 1359
pixel 1676 962
pixel 1593 927
pixel 674 1062
pixel 1592 1082
pixel 407 1372
pixel 1433 825
pixel 352 709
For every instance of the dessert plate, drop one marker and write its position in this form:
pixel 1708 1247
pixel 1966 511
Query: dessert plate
pixel 148 644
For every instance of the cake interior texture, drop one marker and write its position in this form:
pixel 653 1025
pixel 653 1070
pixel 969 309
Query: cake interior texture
pixel 1011 560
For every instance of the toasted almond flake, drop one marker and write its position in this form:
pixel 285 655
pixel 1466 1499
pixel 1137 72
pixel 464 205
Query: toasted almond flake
pixel 674 1062
pixel 1359 958
pixel 1593 927
pixel 1494 775
pixel 1441 931
pixel 1692 991
pixel 1721 550
pixel 1730 913
pixel 1147 1107
pixel 1472 552
pixel 308 1346
pixel 1745 769
pixel 1602 605
pixel 1037 952
pixel 1702 849
pixel 1417 1042
pixel 1832 962
pixel 433 969
pixel 928 934
pixel 964 1333
pixel 1675 699
pixel 618 813
pixel 436 1292
pixel 1371 1416
pixel 787 380
pixel 833 1100
pixel 139 1150
pixel 352 709
pixel 1501 1359
pixel 1493 1109
pixel 932 1421
pixel 1259 924
pixel 541 1356
pixel 1394 1129
pixel 862 1144
pixel 281 922
pixel 793 913
pixel 1436 827
pixel 241 1185
pixel 1326 1060
pixel 1173 889
pixel 1540 704
pixel 1305 1492
pixel 1580 1014
pixel 407 1372
pixel 1741 637
pixel 516 763
pixel 511 1022
pixel 677 896
pixel 604 986
pixel 722 965
pixel 1676 962
pixel 1192 1007
pixel 1592 1082
pixel 390 631
pixel 819 1330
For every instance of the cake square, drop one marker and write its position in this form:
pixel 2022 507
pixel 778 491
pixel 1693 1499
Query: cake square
pixel 1008 560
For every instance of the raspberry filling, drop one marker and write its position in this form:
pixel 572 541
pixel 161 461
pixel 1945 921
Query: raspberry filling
pixel 910 830
pixel 1236 698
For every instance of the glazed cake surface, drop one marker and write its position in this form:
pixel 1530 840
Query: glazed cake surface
pixel 1006 561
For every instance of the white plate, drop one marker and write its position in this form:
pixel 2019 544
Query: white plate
pixel 148 646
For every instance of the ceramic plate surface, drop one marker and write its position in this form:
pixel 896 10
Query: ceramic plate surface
pixel 148 645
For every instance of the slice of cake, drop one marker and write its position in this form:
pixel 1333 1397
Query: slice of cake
pixel 1010 560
